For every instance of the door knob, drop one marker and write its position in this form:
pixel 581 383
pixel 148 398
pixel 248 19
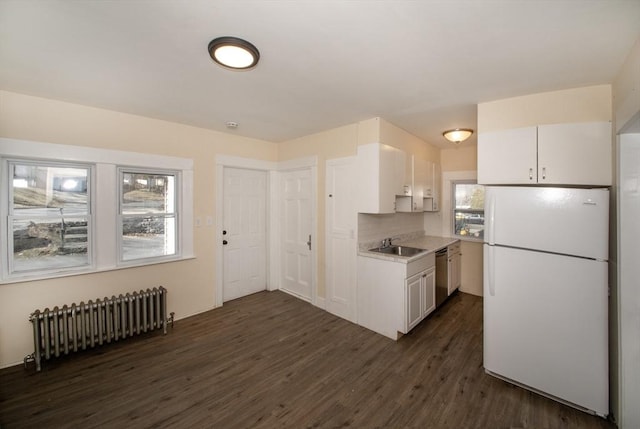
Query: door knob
pixel 224 232
pixel 225 242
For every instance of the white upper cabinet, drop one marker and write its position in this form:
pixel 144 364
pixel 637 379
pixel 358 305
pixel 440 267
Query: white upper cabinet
pixel 508 157
pixel 414 191
pixel 381 175
pixel 558 154
pixel 575 154
pixel 431 198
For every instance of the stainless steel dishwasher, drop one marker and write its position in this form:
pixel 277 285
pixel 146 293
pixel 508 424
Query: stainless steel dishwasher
pixel 442 276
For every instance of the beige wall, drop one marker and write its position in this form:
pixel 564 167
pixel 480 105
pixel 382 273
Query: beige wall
pixel 585 104
pixel 462 159
pixel 335 143
pixel 343 142
pixel 626 106
pixel 190 283
pixel 626 93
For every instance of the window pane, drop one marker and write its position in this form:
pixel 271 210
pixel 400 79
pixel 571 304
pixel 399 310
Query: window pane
pixel 469 196
pixel 469 224
pixel 148 193
pixel 43 244
pixel 40 190
pixel 148 237
pixel 469 210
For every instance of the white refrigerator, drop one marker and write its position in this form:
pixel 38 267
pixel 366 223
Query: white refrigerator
pixel 546 292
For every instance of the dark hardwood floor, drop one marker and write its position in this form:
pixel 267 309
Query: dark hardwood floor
pixel 270 360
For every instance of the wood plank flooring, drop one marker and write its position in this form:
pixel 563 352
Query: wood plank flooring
pixel 270 360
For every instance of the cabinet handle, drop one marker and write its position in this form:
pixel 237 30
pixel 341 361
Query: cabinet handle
pixel 544 173
pixel 531 174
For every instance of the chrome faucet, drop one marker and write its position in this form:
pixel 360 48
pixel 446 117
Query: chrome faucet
pixel 385 243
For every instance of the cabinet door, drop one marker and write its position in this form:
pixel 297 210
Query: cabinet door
pixel 429 280
pixel 419 183
pixel 428 184
pixel 380 178
pixel 507 157
pixel 413 300
pixel 437 180
pixel 575 154
pixel 454 268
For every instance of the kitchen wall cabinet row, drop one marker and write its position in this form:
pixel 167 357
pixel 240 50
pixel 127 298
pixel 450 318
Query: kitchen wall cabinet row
pixel 392 180
pixel 393 297
pixel 557 154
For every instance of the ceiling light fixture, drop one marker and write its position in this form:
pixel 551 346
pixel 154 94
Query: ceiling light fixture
pixel 234 53
pixel 458 135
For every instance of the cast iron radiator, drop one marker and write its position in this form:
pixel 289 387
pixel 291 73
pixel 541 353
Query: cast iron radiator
pixel 78 327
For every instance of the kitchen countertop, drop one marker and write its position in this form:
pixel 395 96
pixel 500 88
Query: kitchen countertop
pixel 429 243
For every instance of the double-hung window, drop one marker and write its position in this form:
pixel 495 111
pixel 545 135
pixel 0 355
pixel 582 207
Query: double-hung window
pixel 104 210
pixel 468 209
pixel 50 216
pixel 148 214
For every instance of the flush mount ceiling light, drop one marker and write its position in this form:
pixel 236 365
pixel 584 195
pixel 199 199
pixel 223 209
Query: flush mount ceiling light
pixel 234 53
pixel 458 135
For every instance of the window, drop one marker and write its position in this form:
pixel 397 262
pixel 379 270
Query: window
pixel 147 214
pixel 104 210
pixel 49 216
pixel 468 210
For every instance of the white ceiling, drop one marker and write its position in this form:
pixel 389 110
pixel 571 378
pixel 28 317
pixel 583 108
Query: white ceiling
pixel 421 65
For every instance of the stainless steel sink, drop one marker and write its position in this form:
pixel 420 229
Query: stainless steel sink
pixel 398 250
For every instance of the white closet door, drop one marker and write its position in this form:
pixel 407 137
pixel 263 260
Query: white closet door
pixel 341 250
pixel 245 232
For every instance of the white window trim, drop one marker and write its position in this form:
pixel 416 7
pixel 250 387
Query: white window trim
pixel 452 214
pixel 7 214
pixel 175 214
pixel 448 177
pixel 105 200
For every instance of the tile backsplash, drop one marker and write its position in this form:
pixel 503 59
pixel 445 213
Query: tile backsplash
pixel 374 227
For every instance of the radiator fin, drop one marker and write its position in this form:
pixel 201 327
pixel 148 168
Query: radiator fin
pixel 77 327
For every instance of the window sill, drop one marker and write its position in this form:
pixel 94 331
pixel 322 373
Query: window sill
pixel 84 272
pixel 469 239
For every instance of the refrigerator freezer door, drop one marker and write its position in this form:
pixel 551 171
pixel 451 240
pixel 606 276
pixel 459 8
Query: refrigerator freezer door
pixel 559 220
pixel 545 324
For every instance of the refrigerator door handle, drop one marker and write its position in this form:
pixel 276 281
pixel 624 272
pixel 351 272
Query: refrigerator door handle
pixel 490 216
pixel 490 271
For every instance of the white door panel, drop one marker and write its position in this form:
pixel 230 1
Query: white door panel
pixel 629 273
pixel 546 323
pixel 245 232
pixel 508 156
pixel 341 248
pixel 296 227
pixel 563 220
pixel 577 154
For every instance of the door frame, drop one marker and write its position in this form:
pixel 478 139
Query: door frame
pixel 226 161
pixel 273 170
pixel 310 163
pixel 352 315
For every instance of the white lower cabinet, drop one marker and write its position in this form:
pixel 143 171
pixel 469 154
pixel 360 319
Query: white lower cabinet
pixel 420 297
pixel 454 267
pixel 393 297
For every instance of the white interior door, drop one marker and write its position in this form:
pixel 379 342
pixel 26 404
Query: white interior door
pixel 244 232
pixel 341 247
pixel 629 273
pixel 296 229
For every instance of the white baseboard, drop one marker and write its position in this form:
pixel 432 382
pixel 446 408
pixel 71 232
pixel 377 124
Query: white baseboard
pixel 320 303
